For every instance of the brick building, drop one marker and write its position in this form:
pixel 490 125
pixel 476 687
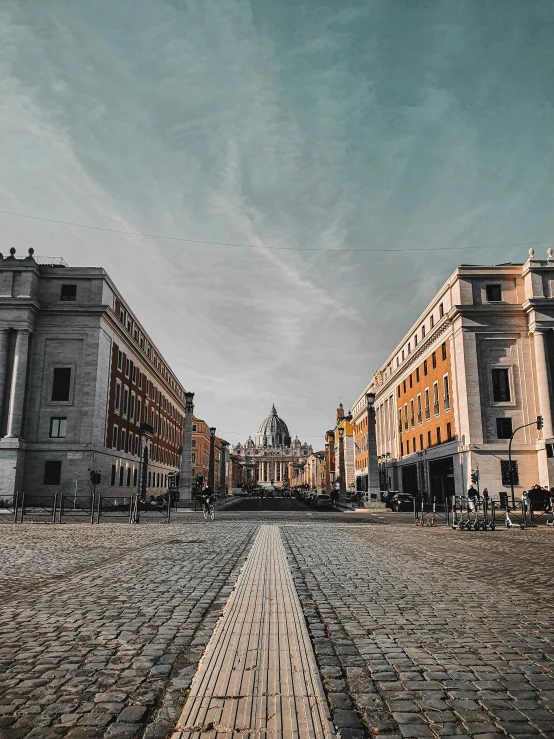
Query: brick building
pixel 82 385
pixel 200 463
pixel 476 365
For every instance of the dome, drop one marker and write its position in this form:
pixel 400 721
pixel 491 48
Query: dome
pixel 273 431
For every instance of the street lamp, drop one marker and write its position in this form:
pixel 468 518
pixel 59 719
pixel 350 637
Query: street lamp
pixel 211 468
pixel 342 468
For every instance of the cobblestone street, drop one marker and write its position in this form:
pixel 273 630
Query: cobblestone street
pixel 416 632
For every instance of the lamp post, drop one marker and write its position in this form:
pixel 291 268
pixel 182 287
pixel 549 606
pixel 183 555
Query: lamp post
pixel 185 473
pixel 373 482
pixel 342 468
pixel 211 468
pixel 327 470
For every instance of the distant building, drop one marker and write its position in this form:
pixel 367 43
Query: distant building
pixel 344 422
pixel 271 458
pixel 476 365
pixel 82 386
pixel 200 463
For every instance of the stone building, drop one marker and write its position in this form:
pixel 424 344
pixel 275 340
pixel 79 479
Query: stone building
pixel 476 365
pixel 200 461
pixel 82 386
pixel 271 458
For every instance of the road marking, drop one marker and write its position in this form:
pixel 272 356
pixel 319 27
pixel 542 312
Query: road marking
pixel 259 676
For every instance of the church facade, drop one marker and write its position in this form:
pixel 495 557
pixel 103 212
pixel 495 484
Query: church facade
pixel 269 459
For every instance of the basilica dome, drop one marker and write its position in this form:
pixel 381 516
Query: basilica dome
pixel 273 431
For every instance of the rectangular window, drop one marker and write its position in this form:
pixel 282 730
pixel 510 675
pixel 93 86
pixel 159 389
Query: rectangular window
pixel 419 416
pixel 494 293
pixel 121 473
pixel 123 439
pixel 130 443
pixel 434 359
pixel 137 445
pixel 443 349
pixel 52 472
pixel 441 310
pixel 501 385
pixel 449 431
pixel 398 391
pixel 408 446
pixel 58 428
pixel 405 416
pixel 134 374
pixel 400 420
pixel 401 449
pixel 412 413
pixel 113 475
pixel 431 320
pixel 507 479
pixel 417 374
pixel 193 458
pixel 421 442
pixel 504 428
pixel 140 376
pixel 446 388
pixel 149 479
pixel 425 368
pixel 138 416
pixel 404 385
pixel 125 400
pixel 427 405
pixel 194 427
pixel 429 443
pixel 119 359
pixel 69 293
pixel 117 400
pixel 127 367
pixel 122 316
pixel 436 407
pixel 438 434
pixel 135 476
pixel 128 476
pixel 114 436
pixel 423 331
pixel 61 384
pixel 132 407
pixel 411 381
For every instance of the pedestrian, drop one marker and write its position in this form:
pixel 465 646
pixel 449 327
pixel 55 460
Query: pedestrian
pixel 486 495
pixel 472 498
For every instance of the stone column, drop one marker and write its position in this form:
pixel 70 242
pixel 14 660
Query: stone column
pixel 373 485
pixel 222 466
pixel 185 476
pixel 543 383
pixel 4 345
pixel 19 377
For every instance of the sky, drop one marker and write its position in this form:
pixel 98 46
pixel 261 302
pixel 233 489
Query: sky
pixel 320 125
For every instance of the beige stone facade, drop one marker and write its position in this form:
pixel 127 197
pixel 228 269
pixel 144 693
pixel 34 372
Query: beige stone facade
pixel 476 365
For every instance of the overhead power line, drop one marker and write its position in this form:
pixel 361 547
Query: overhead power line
pixel 273 248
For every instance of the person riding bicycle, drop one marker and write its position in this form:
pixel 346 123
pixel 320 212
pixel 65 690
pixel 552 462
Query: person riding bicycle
pixel 207 496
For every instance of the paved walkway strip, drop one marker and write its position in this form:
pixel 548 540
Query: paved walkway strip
pixel 259 676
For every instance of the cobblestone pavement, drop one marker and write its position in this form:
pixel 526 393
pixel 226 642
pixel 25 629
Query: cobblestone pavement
pixel 103 626
pixel 417 632
pixel 430 633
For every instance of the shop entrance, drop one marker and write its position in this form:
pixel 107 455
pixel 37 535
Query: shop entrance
pixel 441 474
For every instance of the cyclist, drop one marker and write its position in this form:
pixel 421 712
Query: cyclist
pixel 208 502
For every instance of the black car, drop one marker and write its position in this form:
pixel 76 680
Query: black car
pixel 401 502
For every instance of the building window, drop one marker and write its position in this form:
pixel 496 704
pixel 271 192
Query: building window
pixel 407 446
pixel 135 476
pixel 113 475
pixel 434 359
pixel 123 439
pixel 411 381
pixel 423 331
pixel 443 349
pixel 194 427
pixel 58 428
pixel 125 400
pixel 127 367
pixel 436 406
pixel 134 375
pixel 429 442
pixel 431 320
pixel 449 431
pixel 421 442
pixel 427 405
pixel 398 391
pixel 419 416
pixel 121 473
pixel 61 384
pixel 405 416
pixel 114 436
pixel 507 479
pixel 132 407
pixel 401 449
pixel 117 400
pixel 194 442
pixel 193 458
pixel 501 385
pixel 52 472
pixel 446 388
pixel 494 293
pixel 122 316
pixel 417 374
pixel 404 385
pixel 140 376
pixel 68 293
pixel 149 479
pixel 425 368
pixel 412 413
pixel 438 434
pixel 137 440
pixel 504 428
pixel 128 476
pixel 441 310
pixel 138 416
pixel 119 359
pixel 400 420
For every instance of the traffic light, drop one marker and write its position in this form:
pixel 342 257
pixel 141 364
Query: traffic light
pixel 475 477
pixel 95 477
pixel 539 422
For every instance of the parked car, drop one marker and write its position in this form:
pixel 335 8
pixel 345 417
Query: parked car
pixel 401 502
pixel 323 501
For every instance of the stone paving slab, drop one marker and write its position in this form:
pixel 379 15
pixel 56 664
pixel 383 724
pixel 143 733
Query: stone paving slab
pixel 430 633
pixel 259 674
